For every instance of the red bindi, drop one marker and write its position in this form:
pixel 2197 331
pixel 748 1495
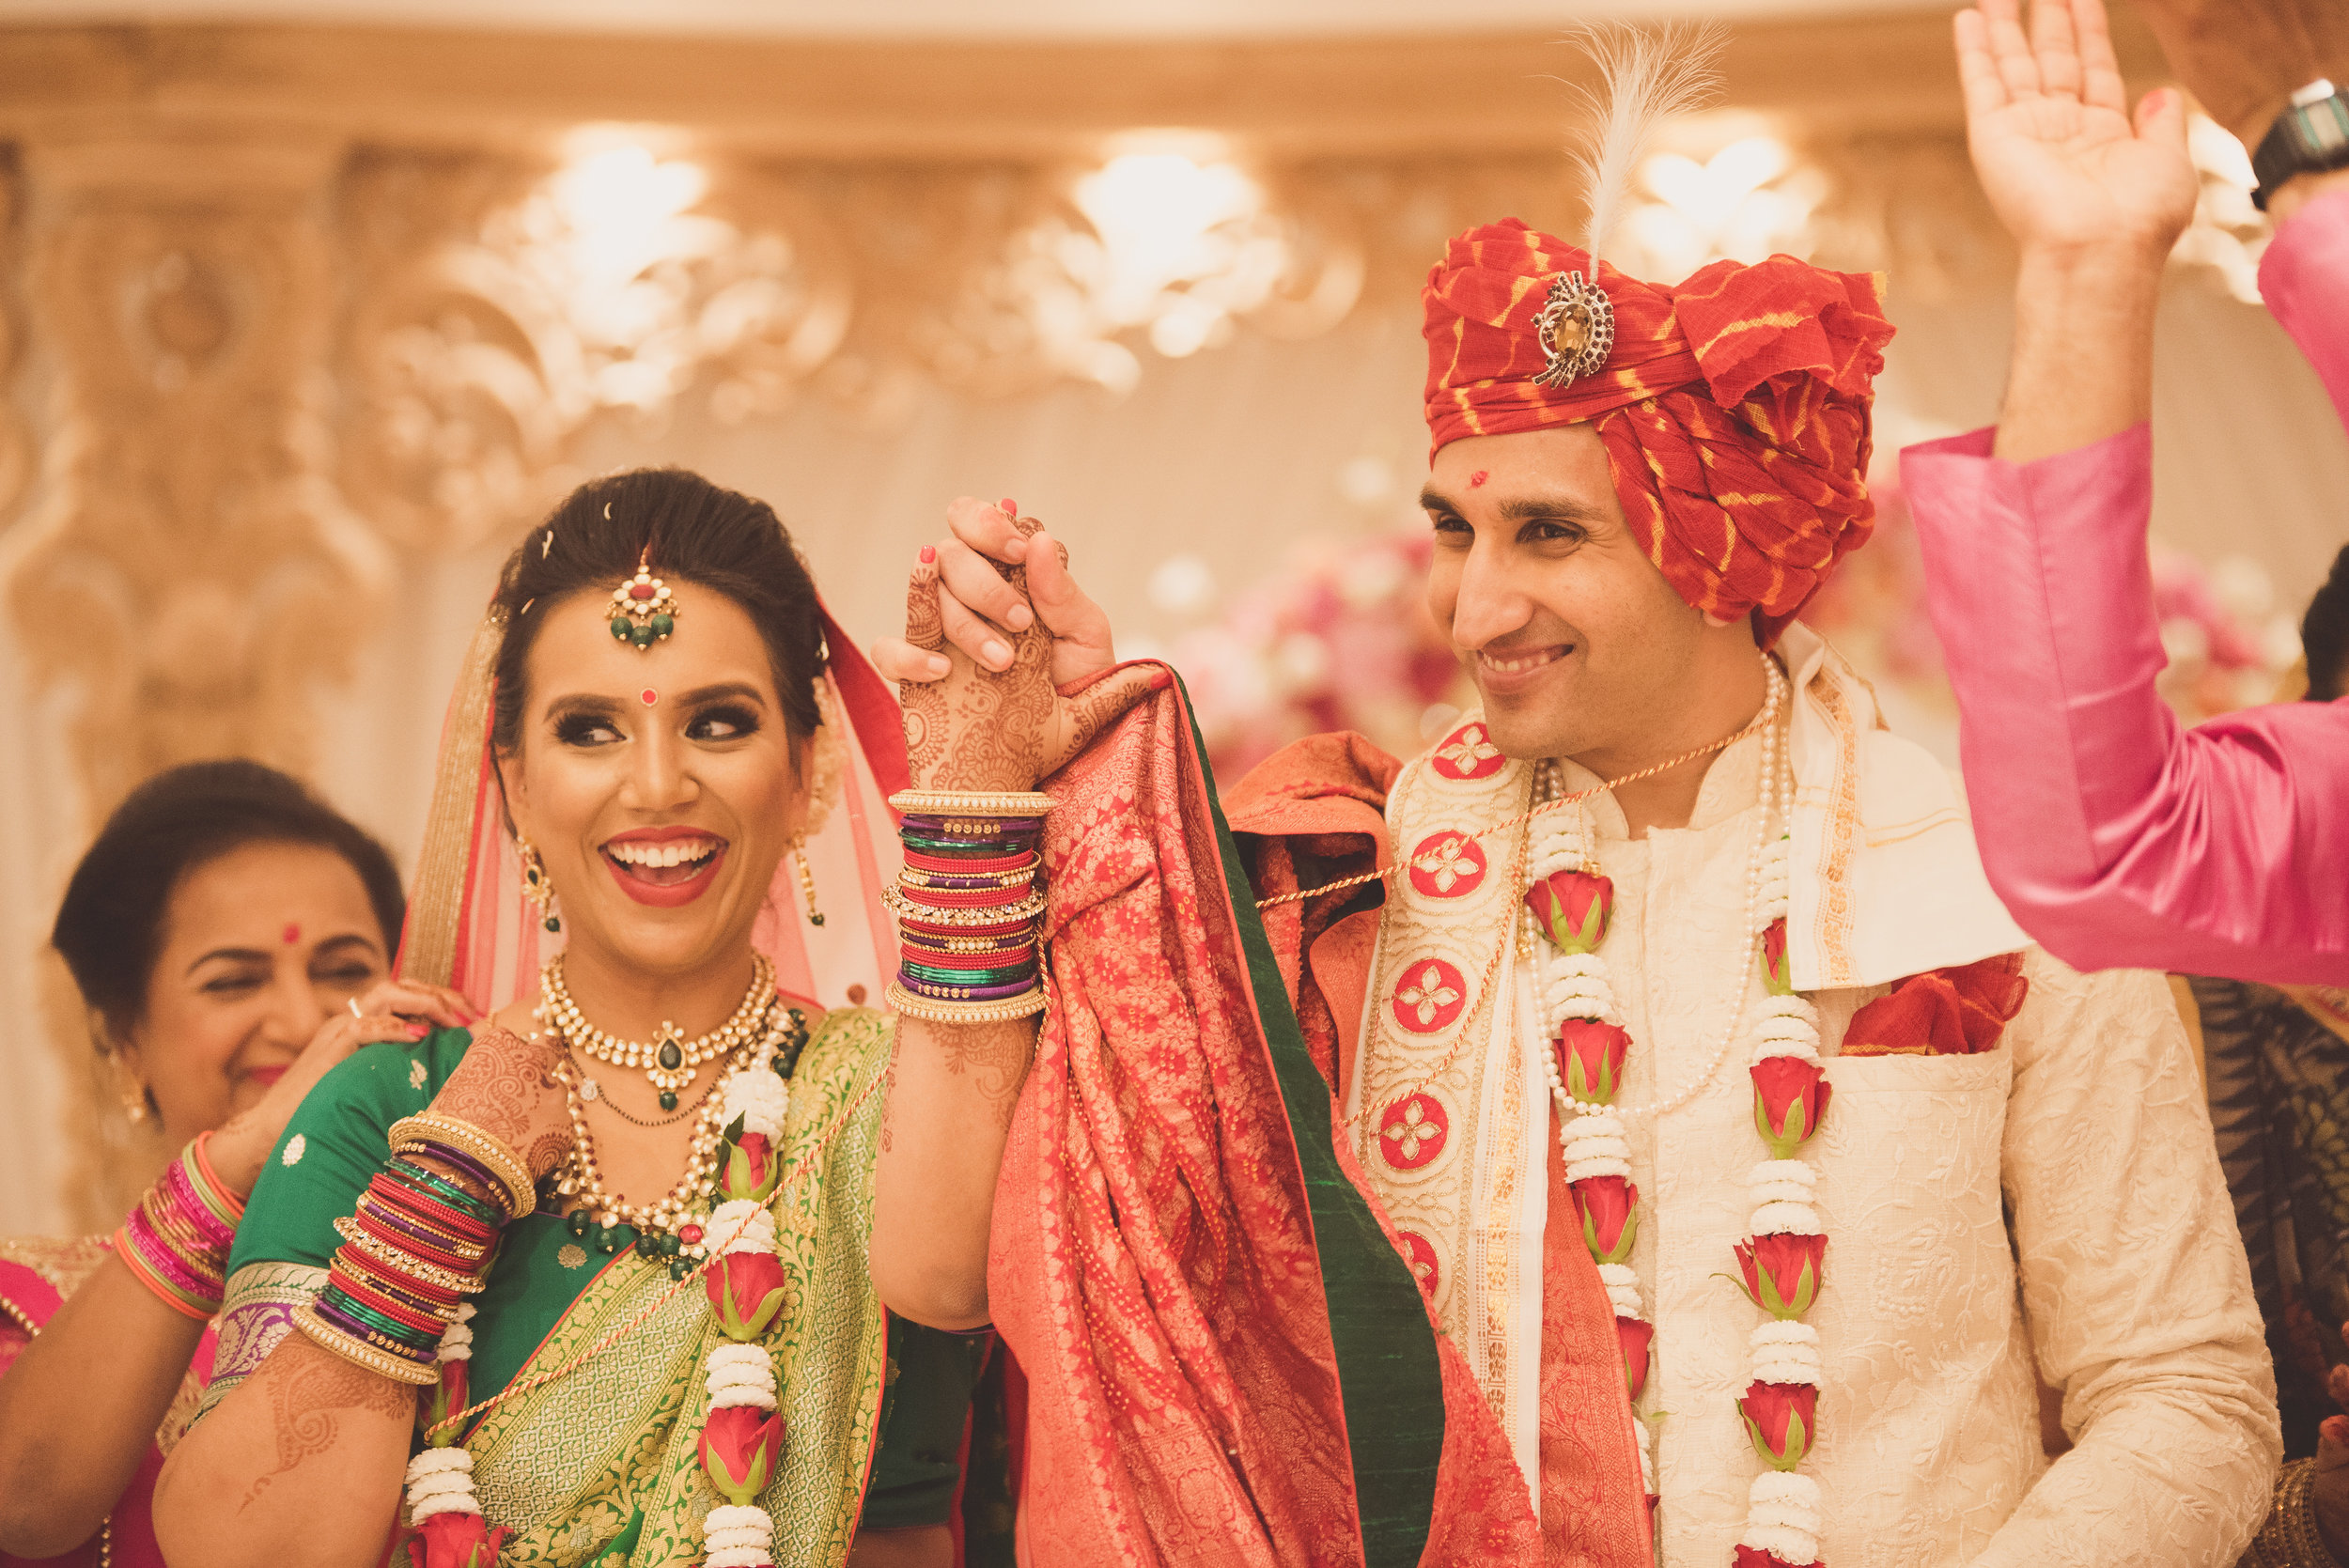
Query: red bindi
pixel 1478 478
pixel 649 696
pixel 293 935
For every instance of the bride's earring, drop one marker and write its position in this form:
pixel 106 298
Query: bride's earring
pixel 534 884
pixel 808 879
pixel 134 1102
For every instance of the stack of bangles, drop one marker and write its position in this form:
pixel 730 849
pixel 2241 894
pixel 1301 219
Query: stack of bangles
pixel 176 1242
pixel 969 905
pixel 419 1242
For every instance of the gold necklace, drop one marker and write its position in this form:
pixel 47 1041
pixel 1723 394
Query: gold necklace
pixel 670 1060
pixel 664 1229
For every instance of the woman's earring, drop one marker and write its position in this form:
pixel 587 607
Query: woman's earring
pixel 534 884
pixel 134 1102
pixel 808 879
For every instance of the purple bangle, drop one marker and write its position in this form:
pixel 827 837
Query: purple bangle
pixel 966 993
pixel 465 1165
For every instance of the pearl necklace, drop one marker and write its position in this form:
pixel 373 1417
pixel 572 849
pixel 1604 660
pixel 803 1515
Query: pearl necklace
pixel 670 1060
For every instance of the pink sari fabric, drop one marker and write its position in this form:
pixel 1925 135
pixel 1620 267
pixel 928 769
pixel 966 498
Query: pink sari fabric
pixel 1154 1264
pixel 28 1301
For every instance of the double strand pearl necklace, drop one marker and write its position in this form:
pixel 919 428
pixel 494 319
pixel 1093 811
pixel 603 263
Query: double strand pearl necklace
pixel 670 1060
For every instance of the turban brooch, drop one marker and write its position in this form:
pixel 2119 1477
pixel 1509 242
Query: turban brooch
pixel 1734 407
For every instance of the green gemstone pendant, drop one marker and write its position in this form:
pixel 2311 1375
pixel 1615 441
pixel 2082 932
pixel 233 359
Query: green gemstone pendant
pixel 668 1099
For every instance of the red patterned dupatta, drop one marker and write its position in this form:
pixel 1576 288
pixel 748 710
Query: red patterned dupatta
pixel 1228 1361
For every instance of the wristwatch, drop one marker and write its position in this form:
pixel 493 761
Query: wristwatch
pixel 2311 136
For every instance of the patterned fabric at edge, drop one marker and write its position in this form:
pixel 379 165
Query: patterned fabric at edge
pixel 37 1275
pixel 1735 407
pixel 1226 1360
pixel 2277 1075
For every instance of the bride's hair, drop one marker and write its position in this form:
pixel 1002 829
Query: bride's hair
pixel 691 530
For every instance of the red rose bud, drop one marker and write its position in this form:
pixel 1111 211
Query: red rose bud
pixel 1590 1058
pixel 1635 1337
pixel 1754 1556
pixel 1774 958
pixel 447 1398
pixel 454 1540
pixel 1611 1222
pixel 1573 908
pixel 1790 1097
pixel 740 1446
pixel 1783 1272
pixel 752 1169
pixel 745 1292
pixel 1782 1418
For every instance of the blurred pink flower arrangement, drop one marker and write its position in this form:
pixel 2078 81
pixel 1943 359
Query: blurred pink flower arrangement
pixel 1339 639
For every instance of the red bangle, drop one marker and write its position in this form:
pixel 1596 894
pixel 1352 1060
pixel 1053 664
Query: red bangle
pixel 974 865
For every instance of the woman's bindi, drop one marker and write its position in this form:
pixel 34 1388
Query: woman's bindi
pixel 649 696
pixel 293 934
pixel 1478 478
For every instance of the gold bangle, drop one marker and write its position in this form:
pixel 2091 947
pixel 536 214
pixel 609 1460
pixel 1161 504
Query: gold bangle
pixel 413 1133
pixel 954 802
pixel 383 1364
pixel 905 908
pixel 430 1272
pixel 906 1004
pixel 2288 1538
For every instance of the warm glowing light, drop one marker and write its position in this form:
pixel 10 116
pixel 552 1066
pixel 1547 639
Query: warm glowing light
pixel 1184 244
pixel 1746 201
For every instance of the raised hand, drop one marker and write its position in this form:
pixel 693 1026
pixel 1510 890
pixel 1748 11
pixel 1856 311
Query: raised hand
pixel 394 1010
pixel 2065 166
pixel 1002 695
pixel 506 1086
pixel 981 608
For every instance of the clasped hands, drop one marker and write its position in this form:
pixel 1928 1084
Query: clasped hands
pixel 1006 670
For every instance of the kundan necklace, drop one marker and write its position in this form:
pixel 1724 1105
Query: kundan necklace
pixel 665 1228
pixel 670 1060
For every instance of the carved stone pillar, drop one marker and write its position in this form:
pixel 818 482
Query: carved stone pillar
pixel 187 564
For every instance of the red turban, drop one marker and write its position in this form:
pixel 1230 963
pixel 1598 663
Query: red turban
pixel 1735 408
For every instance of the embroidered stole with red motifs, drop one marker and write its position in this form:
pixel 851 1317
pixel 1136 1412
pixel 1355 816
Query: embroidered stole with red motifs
pixel 1455 1139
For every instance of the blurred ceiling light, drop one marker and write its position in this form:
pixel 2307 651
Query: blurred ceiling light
pixel 1746 201
pixel 1185 243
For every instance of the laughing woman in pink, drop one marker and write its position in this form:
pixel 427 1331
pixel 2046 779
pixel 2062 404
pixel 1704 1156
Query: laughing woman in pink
pixel 230 936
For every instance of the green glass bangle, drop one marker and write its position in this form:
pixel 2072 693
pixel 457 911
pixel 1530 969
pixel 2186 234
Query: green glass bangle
pixel 382 1323
pixel 968 977
pixel 449 1192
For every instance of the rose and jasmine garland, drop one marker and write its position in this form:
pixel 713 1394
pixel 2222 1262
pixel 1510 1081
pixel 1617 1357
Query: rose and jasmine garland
pixel 1781 1259
pixel 742 1435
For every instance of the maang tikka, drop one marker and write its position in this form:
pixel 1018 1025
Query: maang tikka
pixel 643 611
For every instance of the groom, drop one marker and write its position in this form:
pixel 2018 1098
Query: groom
pixel 1755 1172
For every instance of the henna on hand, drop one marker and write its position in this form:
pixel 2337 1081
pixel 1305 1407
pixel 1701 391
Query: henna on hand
pixel 993 1056
pixel 507 1087
pixel 979 729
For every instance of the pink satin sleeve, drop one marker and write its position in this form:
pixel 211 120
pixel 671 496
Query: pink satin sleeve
pixel 2117 838
pixel 2303 277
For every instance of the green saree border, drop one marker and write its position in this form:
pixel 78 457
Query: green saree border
pixel 1389 1376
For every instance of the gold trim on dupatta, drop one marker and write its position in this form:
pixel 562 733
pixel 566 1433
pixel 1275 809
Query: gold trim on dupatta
pixel 436 905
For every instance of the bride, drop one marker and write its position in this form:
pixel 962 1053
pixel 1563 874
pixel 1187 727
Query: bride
pixel 590 1279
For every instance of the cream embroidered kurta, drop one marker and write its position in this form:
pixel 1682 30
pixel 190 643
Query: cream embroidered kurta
pixel 2082 1145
